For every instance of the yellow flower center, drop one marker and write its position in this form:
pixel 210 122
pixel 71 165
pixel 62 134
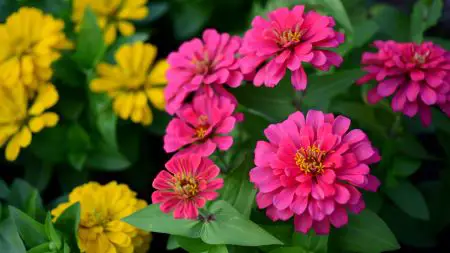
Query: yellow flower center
pixel 421 58
pixel 200 132
pixel 310 160
pixel 186 186
pixel 289 37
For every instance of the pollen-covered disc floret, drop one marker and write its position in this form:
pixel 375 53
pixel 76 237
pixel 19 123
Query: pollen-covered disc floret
pixel 30 41
pixel 415 75
pixel 209 61
pixel 286 40
pixel 201 126
pixel 102 208
pixel 189 182
pixel 311 169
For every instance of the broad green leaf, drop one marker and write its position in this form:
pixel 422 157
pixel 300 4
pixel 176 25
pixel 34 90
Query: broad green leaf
pixel 218 249
pixel 392 22
pixel 323 88
pixel 365 233
pixel 172 243
pixel 10 241
pixel 43 248
pixel 50 144
pixel 424 16
pixel 67 223
pixel 238 191
pixel 31 231
pixel 224 225
pixel 364 31
pixel 230 227
pixel 434 12
pixel 337 10
pixel 290 250
pixel 152 219
pixel 189 16
pixel 405 167
pixel 90 45
pixel 311 242
pixel 52 234
pixel 273 104
pixel 192 245
pixel 69 73
pixel 409 199
pixel 4 190
pixel 26 198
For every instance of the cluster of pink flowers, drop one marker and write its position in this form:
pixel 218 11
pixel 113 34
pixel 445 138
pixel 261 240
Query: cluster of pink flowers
pixel 417 76
pixel 311 168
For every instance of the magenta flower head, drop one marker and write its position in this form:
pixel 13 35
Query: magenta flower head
pixel 416 76
pixel 190 181
pixel 211 60
pixel 201 126
pixel 311 169
pixel 286 40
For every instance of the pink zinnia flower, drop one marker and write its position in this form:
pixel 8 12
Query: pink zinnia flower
pixel 417 76
pixel 286 40
pixel 211 61
pixel 190 181
pixel 311 169
pixel 202 126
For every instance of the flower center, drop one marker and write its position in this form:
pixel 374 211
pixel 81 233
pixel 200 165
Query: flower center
pixel 310 160
pixel 187 187
pixel 421 58
pixel 288 37
pixel 200 132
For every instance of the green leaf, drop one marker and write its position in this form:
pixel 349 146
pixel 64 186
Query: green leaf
pixel 392 22
pixel 224 225
pixel 26 198
pixel 31 231
pixel 107 158
pixel 290 250
pixel 323 88
pixel 218 249
pixel 238 191
pixel 50 144
pixel 160 122
pixel 79 145
pixel 230 227
pixel 122 41
pixel 172 243
pixel 337 10
pixel 67 223
pixel 90 46
pixel 192 245
pixel 51 233
pixel 424 17
pixel 409 145
pixel 410 200
pixel 273 104
pixel 104 119
pixel 190 16
pixel 10 241
pixel 405 167
pixel 38 173
pixel 365 233
pixel 434 12
pixel 311 242
pixel 157 10
pixel 67 71
pixel 4 190
pixel 364 32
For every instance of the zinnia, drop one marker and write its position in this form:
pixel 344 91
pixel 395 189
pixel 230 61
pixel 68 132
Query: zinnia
pixel 102 208
pixel 417 76
pixel 190 181
pixel 286 40
pixel 21 117
pixel 211 61
pixel 30 42
pixel 311 169
pixel 202 126
pixel 112 15
pixel 133 82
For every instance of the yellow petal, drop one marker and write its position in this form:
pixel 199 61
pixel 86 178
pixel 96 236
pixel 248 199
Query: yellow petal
pixel 12 148
pixel 126 28
pixel 24 137
pixel 127 106
pixel 50 119
pixel 110 34
pixel 158 74
pixel 101 85
pixel 156 96
pixel 47 97
pixel 6 131
pixel 119 238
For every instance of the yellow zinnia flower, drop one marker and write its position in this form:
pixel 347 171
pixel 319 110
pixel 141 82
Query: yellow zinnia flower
pixel 112 15
pixel 29 43
pixel 133 82
pixel 102 208
pixel 19 118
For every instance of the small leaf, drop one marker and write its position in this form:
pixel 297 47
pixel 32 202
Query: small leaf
pixel 50 144
pixel 410 200
pixel 392 22
pixel 26 198
pixel 52 234
pixel 10 241
pixel 31 231
pixel 4 191
pixel 90 45
pixel 364 32
pixel 365 232
pixel 104 119
pixel 405 167
pixel 311 242
pixel 218 249
pixel 38 173
pixel 107 158
pixel 68 222
pixel 417 21
pixel 79 144
pixel 192 245
pixel 337 10
pixel 189 17
pixel 289 250
pixel 43 248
